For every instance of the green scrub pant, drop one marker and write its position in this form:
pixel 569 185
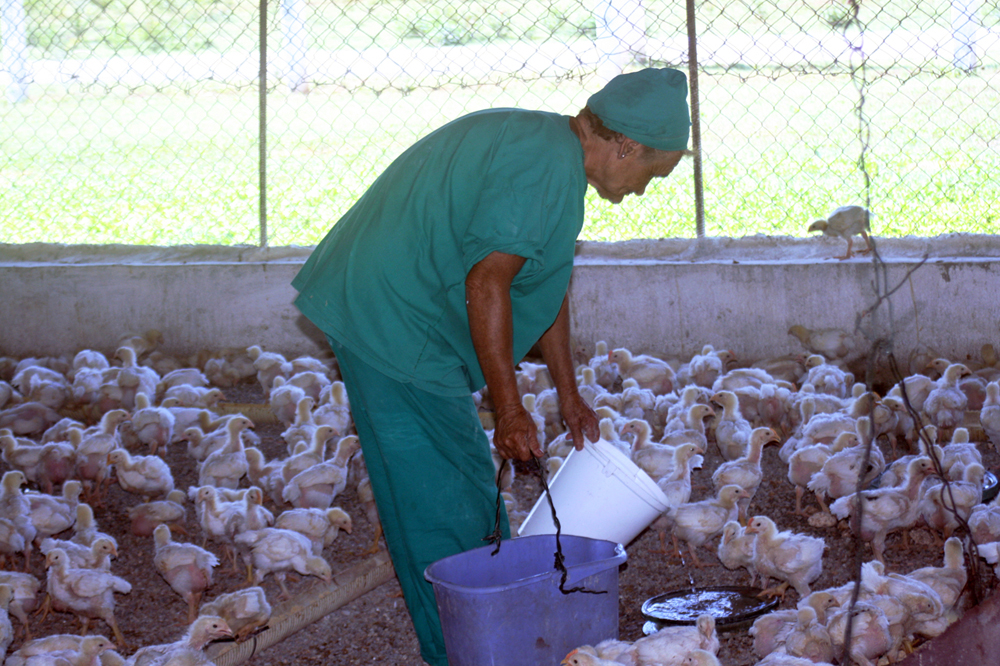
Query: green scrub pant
pixel 434 483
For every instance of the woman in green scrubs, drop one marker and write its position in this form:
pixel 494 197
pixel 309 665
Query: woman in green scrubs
pixel 442 276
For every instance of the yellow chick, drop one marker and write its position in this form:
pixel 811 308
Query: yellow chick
pixel 846 222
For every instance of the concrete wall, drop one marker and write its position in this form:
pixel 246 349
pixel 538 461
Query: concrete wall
pixel 669 296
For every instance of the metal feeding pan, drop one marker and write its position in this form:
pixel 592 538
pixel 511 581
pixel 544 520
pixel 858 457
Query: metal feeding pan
pixel 991 487
pixel 732 606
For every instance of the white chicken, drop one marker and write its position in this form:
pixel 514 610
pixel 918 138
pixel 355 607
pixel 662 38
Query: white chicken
pixel 828 378
pixel 320 526
pixel 283 400
pixel 794 559
pixel 307 453
pixel 15 509
pixel 228 434
pixel 736 549
pixel 269 365
pixel 810 638
pixel 989 415
pixel 25 589
pixel 840 473
pixel 213 516
pixel 704 368
pixel 225 466
pixel 657 460
pixel 185 395
pixel 334 409
pixel 947 580
pixel 244 611
pixel 886 509
pixel 51 514
pixel 134 378
pixel 946 403
pixel 650 372
pixel 170 511
pixel 87 593
pixel 6 628
pixel 276 551
pixel 92 453
pixel 87 651
pixel 732 431
pixel 28 418
pixel 770 631
pixel 97 555
pixel 945 508
pixel 746 471
pixel 697 522
pixel 186 567
pixel 303 426
pixel 86 530
pixel 310 381
pixel 187 649
pixel 153 426
pixel 146 476
pixel 809 460
pixel 319 485
pixel 670 645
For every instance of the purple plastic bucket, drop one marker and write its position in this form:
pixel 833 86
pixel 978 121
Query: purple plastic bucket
pixel 507 609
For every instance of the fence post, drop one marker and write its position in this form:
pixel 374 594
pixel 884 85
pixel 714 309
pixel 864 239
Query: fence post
pixel 14 51
pixel 695 96
pixel 964 30
pixel 621 35
pixel 262 128
pixel 293 45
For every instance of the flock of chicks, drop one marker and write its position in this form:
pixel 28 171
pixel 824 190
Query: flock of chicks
pixel 666 414
pixel 69 428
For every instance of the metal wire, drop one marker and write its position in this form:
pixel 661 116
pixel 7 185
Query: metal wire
pixel 134 122
pixel 878 329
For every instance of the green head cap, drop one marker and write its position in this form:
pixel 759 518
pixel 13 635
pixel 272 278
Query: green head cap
pixel 649 106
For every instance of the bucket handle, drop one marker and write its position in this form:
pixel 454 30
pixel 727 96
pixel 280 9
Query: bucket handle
pixel 577 573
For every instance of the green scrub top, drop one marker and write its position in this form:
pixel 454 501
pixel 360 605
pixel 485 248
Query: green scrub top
pixel 388 280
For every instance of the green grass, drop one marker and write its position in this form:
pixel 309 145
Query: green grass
pixel 179 164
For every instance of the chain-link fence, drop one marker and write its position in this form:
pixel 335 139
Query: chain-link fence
pixel 146 122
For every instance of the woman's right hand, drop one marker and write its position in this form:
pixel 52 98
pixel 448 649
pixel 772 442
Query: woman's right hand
pixel 515 435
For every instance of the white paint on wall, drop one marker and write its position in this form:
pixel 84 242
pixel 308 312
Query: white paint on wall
pixel 668 297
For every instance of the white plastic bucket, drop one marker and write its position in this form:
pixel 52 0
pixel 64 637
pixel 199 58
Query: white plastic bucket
pixel 600 493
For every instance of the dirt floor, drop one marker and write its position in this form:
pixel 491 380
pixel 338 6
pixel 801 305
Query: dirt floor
pixel 375 628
